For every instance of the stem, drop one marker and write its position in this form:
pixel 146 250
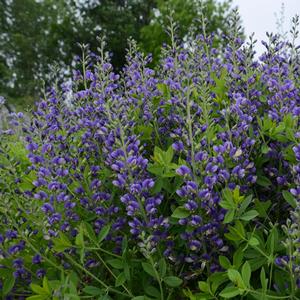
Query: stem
pixel 293 288
pixel 113 274
pixel 190 129
pixel 157 278
pixel 269 296
pixel 39 253
pixel 94 277
pixel 83 69
pixel 157 133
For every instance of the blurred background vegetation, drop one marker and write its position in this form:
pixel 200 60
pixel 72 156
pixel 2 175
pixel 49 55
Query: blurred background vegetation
pixel 37 34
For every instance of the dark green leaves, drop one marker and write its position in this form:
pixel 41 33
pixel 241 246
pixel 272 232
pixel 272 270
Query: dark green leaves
pixel 163 165
pixel 43 292
pixel 173 281
pixel 230 292
pixel 61 243
pixel 180 213
pixel 290 199
pixel 148 268
pixel 8 284
pixel 103 233
pixel 249 215
pixel 246 273
pixel 236 278
pixel 165 90
pixel 92 290
pixel 116 263
pixel 120 280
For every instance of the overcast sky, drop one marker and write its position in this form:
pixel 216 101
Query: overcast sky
pixel 259 16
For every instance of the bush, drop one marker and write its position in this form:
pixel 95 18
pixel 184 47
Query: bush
pixel 179 182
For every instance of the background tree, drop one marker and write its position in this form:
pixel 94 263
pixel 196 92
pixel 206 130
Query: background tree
pixel 37 34
pixel 187 15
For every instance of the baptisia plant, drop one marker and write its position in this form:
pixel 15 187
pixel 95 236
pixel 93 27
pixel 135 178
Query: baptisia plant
pixel 165 183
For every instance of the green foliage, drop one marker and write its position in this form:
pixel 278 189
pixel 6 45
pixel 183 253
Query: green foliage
pixel 186 15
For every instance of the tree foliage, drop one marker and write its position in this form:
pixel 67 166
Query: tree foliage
pixel 35 35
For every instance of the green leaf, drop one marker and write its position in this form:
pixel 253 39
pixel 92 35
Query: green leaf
pixel 249 215
pixel 229 216
pixel 246 273
pixel 289 198
pixel 103 233
pixel 46 285
pixel 116 263
pixel 169 155
pixel 156 169
pixel 239 229
pixel 253 241
pixel 230 292
pixel 227 199
pixel 120 279
pixel 139 298
pixel 272 241
pixel 236 278
pixel 107 297
pixel 90 233
pixel 145 131
pixel 158 154
pixel 61 243
pixel 257 262
pixel 217 279
pixel 263 279
pixel 180 213
pixel 162 87
pixel 38 297
pixel 162 267
pixel 71 296
pixel 38 289
pixel 263 181
pixel 8 284
pixel 265 149
pixel 79 240
pixel 203 286
pixel 127 270
pixel 262 207
pixel 238 257
pixel 148 269
pixel 159 182
pixel 92 290
pixel 173 281
pixel 224 262
pixel 245 204
pixel 232 236
pixel 152 291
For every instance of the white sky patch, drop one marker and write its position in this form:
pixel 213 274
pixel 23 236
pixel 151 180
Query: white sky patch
pixel 260 16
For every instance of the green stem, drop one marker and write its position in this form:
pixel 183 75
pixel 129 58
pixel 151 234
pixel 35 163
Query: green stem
pixel 269 296
pixel 157 278
pixel 293 287
pixel 190 129
pixel 83 69
pixel 108 288
pixel 113 274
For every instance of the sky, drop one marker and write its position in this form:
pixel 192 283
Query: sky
pixel 259 16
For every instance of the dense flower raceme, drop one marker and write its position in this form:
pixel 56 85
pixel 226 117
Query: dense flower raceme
pixel 167 162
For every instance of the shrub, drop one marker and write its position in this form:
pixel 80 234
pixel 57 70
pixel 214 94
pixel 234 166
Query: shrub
pixel 179 182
